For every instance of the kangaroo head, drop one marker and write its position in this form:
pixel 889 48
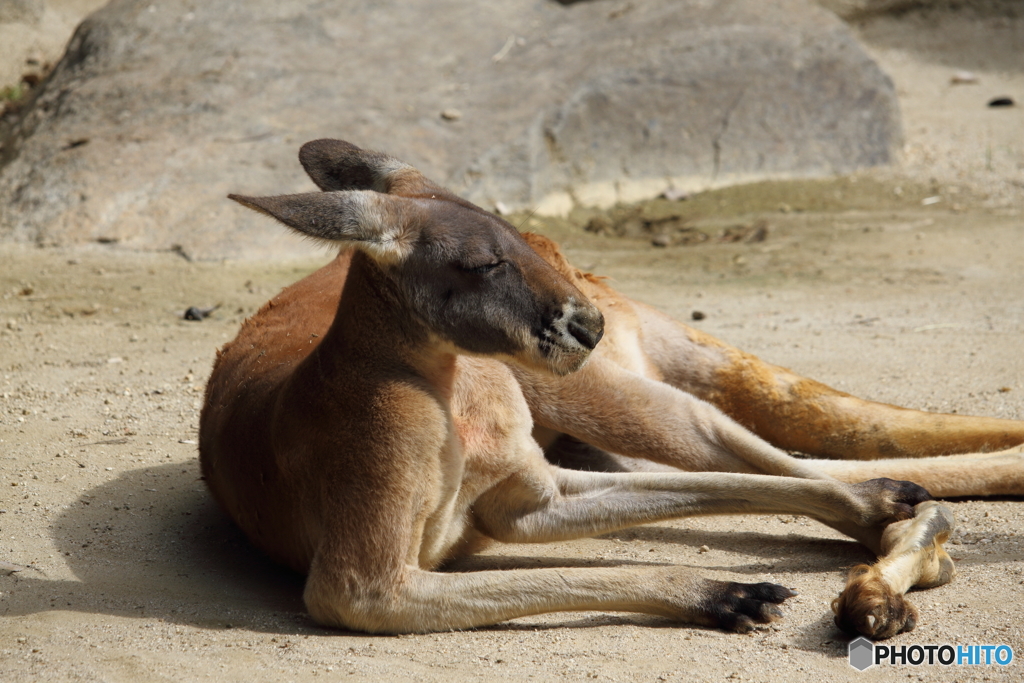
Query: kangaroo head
pixel 465 274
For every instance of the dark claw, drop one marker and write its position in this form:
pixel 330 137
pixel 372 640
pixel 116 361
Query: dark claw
pixel 739 606
pixel 902 495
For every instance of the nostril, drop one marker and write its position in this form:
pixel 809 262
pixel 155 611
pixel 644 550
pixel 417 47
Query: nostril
pixel 586 335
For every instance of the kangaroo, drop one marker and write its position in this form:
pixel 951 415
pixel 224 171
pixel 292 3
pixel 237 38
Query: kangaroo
pixel 392 411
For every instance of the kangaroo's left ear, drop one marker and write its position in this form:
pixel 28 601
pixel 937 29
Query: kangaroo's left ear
pixel 338 165
pixel 382 225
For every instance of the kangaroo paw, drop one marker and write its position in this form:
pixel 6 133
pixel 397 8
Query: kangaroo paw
pixel 873 602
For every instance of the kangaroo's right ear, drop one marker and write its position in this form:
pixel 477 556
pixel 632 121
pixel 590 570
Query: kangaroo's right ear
pixel 381 225
pixel 338 165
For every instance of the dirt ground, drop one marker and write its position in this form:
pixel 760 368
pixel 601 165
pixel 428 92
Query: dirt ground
pixel 867 283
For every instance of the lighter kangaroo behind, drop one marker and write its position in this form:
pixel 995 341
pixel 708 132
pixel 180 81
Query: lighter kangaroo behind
pixel 378 418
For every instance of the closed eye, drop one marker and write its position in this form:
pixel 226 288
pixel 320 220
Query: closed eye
pixel 486 268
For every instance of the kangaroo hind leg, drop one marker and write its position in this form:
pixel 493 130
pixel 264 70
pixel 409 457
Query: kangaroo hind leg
pixel 945 476
pixel 873 601
pixel 798 414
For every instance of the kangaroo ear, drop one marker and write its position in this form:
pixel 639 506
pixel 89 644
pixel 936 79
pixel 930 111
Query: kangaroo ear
pixel 338 165
pixel 379 224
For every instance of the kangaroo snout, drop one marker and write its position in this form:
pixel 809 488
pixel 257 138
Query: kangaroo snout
pixel 587 327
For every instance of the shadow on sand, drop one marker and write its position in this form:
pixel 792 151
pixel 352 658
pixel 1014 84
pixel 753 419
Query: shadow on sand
pixel 152 543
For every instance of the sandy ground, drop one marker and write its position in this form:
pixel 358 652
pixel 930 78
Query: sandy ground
pixel 133 574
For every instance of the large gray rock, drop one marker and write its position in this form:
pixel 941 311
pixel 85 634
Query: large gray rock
pixel 861 9
pixel 33 34
pixel 158 110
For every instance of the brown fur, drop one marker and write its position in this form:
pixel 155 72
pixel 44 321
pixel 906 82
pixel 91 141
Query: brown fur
pixel 869 606
pixel 359 431
pixel 873 601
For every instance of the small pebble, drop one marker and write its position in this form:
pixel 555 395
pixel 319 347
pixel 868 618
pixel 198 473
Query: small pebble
pixel 1001 102
pixel 698 315
pixel 963 78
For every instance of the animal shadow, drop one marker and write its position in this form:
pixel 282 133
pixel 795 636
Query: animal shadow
pixel 153 543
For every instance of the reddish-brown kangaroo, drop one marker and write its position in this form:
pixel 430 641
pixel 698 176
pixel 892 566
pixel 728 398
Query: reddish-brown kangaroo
pixel 393 410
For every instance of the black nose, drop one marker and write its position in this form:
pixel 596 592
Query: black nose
pixel 587 330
